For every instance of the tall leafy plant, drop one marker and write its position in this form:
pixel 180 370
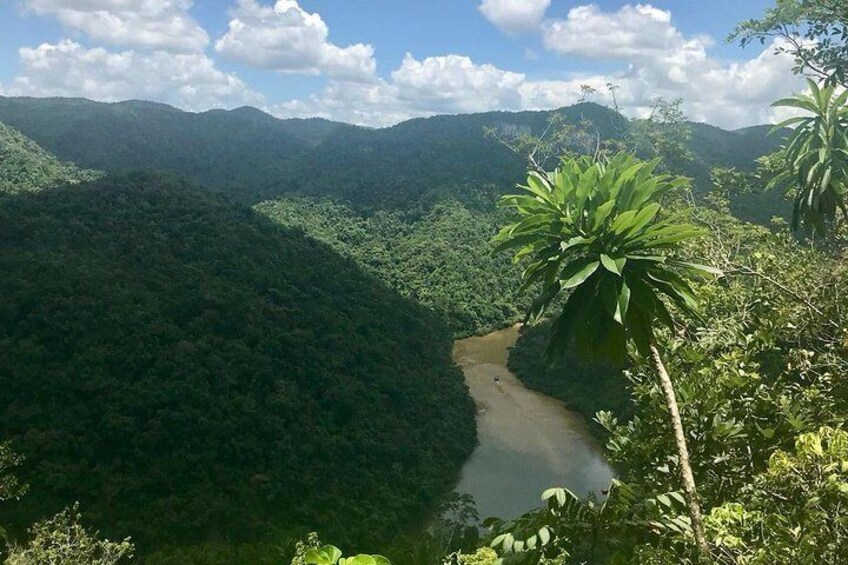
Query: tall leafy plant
pixel 817 157
pixel 593 228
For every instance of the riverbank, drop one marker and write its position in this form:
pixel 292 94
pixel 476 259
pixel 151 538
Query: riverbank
pixel 584 387
pixel 527 441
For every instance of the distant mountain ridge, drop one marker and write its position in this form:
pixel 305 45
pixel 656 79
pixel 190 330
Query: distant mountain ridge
pixel 253 156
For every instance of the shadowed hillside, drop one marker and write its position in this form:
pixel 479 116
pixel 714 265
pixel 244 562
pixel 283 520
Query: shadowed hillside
pixel 189 372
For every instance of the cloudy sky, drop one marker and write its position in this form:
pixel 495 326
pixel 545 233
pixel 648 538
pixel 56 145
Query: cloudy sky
pixel 377 62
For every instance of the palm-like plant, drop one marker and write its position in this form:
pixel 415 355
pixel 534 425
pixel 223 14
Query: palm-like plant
pixel 593 228
pixel 817 156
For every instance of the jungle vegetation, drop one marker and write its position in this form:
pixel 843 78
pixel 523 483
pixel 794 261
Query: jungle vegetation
pixel 217 370
pixel 187 371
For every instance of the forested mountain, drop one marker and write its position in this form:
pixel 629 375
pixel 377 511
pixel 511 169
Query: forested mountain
pixel 189 372
pixel 254 157
pixel 441 258
pixel 413 203
pixel 219 148
pixel 26 167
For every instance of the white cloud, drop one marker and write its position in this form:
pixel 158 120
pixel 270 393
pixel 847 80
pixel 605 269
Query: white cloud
pixel 662 61
pixel 285 37
pixel 633 32
pixel 154 24
pixel 657 60
pixel 447 84
pixel 728 95
pixel 514 16
pixel 186 80
pixel 453 83
pixel 740 94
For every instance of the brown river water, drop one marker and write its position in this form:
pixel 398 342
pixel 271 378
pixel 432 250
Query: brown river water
pixel 528 441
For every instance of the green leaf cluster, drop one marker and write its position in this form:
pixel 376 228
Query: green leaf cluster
pixel 594 228
pixel 62 539
pixel 332 555
pixel 817 155
pixel 814 32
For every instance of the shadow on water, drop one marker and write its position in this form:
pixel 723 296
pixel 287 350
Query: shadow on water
pixel 528 441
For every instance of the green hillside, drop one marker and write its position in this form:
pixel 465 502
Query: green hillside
pixel 26 167
pixel 190 372
pixel 441 259
pixel 253 156
pixel 412 204
pixel 217 148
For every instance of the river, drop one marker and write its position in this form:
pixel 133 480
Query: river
pixel 528 441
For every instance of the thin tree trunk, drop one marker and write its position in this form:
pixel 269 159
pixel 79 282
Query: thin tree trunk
pixel 683 454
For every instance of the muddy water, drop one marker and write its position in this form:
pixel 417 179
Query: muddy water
pixel 528 441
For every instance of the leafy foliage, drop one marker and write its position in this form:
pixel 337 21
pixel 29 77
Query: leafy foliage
pixel 189 372
pixel 483 556
pixel 311 551
pixel 760 530
pixel 593 228
pixel 817 156
pixel 664 134
pixel 62 540
pixel 569 529
pixel 26 167
pixel 10 487
pixel 815 32
pixel 763 364
pixel 332 555
pixel 438 258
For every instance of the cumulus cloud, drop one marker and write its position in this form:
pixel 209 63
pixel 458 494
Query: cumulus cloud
pixel 514 16
pixel 447 84
pixel 728 95
pixel 285 37
pixel 661 61
pixel 155 24
pixel 186 80
pixel 454 83
pixel 633 32
pixel 657 60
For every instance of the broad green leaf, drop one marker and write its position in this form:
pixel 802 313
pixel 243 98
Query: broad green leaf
pixel 326 555
pixel 576 276
pixel 697 268
pixel 615 266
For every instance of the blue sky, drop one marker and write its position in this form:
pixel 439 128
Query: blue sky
pixel 377 62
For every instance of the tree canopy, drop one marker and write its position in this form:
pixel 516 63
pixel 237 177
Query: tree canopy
pixel 188 371
pixel 26 167
pixel 815 32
